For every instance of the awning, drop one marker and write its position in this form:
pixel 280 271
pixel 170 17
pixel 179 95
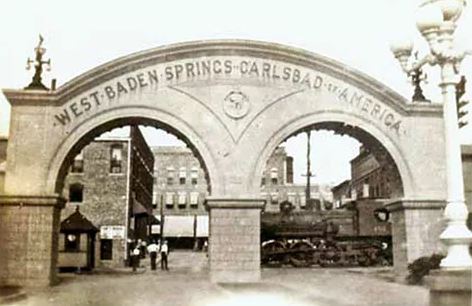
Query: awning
pixel 178 226
pixel 154 220
pixel 139 208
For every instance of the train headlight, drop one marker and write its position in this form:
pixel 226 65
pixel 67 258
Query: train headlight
pixel 382 214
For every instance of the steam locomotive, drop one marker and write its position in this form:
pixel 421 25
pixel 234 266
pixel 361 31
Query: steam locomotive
pixel 359 234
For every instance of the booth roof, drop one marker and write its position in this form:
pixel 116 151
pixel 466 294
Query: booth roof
pixel 77 222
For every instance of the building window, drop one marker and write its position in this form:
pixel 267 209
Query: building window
pixel 78 164
pixel 182 199
pixel 169 199
pixel 72 243
pixel 182 176
pixel 292 198
pixel 366 189
pixel 194 199
pixel 170 176
pixel 155 175
pixel 264 196
pixel 274 176
pixel 274 198
pixel 106 249
pixel 194 176
pixel 155 199
pixel 116 158
pixel 354 194
pixel 76 193
pixel 302 198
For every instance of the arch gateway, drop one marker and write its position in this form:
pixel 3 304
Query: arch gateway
pixel 234 101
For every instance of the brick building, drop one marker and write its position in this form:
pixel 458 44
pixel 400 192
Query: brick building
pixel 180 188
pixel 179 180
pixel 277 184
pixel 341 193
pixel 111 182
pixel 371 178
pixel 374 179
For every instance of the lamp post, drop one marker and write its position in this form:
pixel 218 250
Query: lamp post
pixel 437 23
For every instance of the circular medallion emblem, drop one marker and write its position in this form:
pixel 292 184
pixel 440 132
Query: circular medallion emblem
pixel 236 104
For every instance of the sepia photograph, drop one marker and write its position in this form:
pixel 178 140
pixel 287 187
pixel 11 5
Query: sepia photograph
pixel 213 153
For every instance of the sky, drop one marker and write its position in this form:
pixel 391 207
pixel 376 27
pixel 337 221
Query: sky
pixel 80 35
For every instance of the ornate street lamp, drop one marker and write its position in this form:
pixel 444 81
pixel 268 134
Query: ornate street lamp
pixel 437 23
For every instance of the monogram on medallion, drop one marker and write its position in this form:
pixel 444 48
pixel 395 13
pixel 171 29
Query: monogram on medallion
pixel 236 104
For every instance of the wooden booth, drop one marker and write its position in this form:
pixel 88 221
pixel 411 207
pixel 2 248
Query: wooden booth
pixel 77 243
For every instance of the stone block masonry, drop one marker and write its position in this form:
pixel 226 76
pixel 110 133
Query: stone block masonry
pixel 235 239
pixel 234 138
pixel 29 240
pixel 416 226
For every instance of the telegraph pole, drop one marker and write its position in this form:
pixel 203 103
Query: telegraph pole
pixel 308 171
pixel 161 211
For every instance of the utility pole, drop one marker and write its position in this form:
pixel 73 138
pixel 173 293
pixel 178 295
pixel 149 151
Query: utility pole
pixel 161 211
pixel 308 171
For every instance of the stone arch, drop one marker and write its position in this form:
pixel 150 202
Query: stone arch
pixel 89 129
pixel 319 117
pixel 184 88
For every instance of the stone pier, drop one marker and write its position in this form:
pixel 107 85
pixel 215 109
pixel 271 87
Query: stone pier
pixel 416 226
pixel 29 227
pixel 234 245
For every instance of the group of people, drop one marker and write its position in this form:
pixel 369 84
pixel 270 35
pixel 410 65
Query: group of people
pixel 153 249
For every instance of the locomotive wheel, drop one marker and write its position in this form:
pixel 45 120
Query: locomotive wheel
pixel 273 253
pixel 383 262
pixel 304 256
pixel 364 260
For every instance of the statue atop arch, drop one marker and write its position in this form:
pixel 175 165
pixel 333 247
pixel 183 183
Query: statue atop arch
pixel 38 63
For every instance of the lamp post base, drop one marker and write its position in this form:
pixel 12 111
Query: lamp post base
pixel 450 288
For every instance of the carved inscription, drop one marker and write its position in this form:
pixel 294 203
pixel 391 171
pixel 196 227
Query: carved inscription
pixel 236 106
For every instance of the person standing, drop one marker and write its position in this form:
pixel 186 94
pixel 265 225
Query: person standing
pixel 135 258
pixel 143 249
pixel 152 250
pixel 164 254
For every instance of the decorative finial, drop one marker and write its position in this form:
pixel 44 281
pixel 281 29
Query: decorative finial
pixel 417 76
pixel 38 66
